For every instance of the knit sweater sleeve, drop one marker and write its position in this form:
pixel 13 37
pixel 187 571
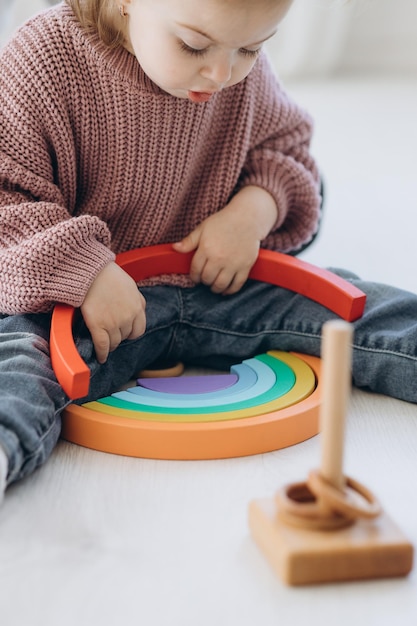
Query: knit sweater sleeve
pixel 280 161
pixel 48 254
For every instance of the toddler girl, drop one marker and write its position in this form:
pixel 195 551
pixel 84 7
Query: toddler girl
pixel 130 123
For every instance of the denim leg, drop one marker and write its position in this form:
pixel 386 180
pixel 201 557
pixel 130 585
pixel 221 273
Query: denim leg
pixel 200 328
pixel 31 400
pixel 163 314
pixel 219 331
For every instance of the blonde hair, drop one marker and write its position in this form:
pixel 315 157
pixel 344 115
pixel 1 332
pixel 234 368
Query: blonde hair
pixel 102 16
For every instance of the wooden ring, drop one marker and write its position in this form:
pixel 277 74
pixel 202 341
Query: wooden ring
pixel 164 372
pixel 298 506
pixel 353 501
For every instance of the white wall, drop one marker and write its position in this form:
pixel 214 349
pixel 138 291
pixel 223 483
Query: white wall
pixel 324 37
pixel 14 12
pixel 311 40
pixel 383 37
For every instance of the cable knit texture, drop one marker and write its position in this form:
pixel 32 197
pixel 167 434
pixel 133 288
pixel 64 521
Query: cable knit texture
pixel 95 159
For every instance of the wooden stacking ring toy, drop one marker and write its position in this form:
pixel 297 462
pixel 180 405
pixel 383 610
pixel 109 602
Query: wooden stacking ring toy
pixel 277 409
pixel 330 528
pixel 317 504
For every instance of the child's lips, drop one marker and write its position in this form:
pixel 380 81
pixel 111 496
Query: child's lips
pixel 200 96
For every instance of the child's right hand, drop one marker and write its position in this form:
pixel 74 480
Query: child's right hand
pixel 113 310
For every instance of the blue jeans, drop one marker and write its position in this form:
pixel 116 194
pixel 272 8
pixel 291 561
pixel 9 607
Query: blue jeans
pixel 200 328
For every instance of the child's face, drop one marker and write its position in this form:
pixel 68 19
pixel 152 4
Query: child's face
pixel 193 48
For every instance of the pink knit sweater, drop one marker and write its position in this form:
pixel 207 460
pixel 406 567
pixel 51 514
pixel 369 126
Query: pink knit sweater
pixel 96 159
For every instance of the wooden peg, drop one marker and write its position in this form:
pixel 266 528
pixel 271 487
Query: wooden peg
pixel 330 528
pixel 337 363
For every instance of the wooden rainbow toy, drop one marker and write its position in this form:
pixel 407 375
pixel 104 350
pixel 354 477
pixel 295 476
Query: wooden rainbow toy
pixel 265 403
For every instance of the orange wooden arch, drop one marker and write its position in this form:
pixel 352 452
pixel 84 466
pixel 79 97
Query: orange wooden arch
pixel 282 270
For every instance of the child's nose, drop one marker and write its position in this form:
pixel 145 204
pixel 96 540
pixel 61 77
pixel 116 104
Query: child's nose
pixel 219 71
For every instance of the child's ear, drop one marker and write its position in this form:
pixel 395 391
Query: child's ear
pixel 122 9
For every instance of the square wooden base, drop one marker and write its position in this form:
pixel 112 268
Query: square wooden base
pixel 367 549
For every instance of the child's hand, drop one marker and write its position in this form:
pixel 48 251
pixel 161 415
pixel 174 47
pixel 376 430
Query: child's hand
pixel 227 243
pixel 113 310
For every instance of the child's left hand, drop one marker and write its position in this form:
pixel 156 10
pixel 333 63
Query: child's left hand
pixel 227 243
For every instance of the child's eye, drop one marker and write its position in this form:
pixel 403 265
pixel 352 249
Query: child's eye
pixel 196 52
pixel 249 53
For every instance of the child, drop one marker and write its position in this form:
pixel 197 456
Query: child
pixel 137 122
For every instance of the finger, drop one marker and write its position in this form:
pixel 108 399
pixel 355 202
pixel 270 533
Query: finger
pixel 197 267
pixel 236 284
pixel 222 282
pixel 116 336
pixel 101 342
pixel 138 327
pixel 189 243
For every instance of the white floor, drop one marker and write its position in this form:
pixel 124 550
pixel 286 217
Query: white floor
pixel 93 538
